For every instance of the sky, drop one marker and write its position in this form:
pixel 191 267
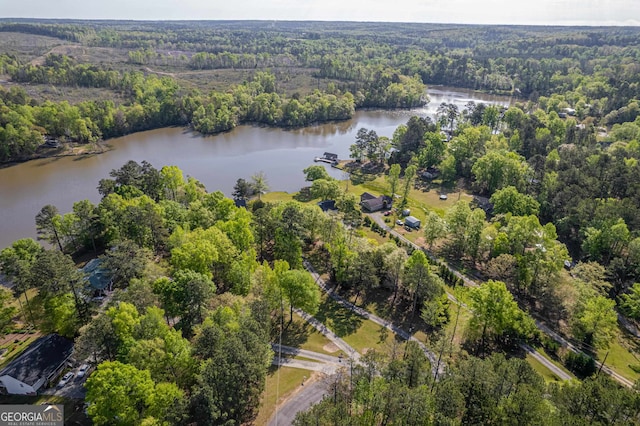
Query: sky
pixel 516 12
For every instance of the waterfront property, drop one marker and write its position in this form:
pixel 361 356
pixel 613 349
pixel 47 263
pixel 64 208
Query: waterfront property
pixel 370 203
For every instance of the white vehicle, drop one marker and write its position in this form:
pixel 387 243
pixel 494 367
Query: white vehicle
pixel 82 370
pixel 399 222
pixel 443 196
pixel 65 379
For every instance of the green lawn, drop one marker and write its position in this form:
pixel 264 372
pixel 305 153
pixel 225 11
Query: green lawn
pixel 372 336
pixel 419 201
pixel 272 197
pixel 619 359
pixel 302 335
pixel 281 382
pixel 360 333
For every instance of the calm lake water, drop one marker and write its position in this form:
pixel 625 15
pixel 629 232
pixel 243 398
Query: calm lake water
pixel 216 161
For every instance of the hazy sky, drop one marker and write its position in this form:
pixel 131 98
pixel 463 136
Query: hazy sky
pixel 544 12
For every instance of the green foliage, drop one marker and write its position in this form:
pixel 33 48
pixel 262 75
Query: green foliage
pixel 124 262
pixel 581 364
pixel 509 200
pixel 313 173
pixel 123 395
pixel 496 316
pixel 630 303
pixel 595 321
pixel 202 251
pixel 496 170
pixel 299 290
pixel 7 310
pixel 233 374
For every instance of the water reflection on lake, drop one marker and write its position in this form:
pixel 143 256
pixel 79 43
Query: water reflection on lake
pixel 217 161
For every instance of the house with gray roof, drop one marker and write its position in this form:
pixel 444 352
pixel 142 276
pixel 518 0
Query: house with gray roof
pixel 37 366
pixel 370 203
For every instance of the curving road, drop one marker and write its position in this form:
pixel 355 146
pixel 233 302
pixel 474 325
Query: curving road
pixel 541 326
pixel 368 315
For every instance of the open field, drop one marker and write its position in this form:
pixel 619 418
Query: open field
pixel 360 333
pixel 27 46
pixel 620 358
pixel 302 335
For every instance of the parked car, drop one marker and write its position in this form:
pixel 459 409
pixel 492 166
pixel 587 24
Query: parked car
pixel 443 196
pixel 65 379
pixel 387 213
pixel 82 370
pixel 399 222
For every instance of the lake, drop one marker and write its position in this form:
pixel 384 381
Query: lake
pixel 216 161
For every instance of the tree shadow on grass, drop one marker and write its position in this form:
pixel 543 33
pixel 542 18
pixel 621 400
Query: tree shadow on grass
pixel 296 334
pixel 338 319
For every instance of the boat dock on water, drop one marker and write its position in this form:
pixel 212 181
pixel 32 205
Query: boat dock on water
pixel 327 157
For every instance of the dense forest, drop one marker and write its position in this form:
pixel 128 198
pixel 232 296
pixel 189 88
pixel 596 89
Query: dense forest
pixel 294 74
pixel 541 248
pixel 202 287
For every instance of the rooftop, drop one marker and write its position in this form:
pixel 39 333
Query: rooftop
pixel 41 359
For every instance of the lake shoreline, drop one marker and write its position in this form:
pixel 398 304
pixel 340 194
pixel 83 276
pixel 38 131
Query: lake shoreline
pixel 77 150
pixel 68 151
pixel 61 177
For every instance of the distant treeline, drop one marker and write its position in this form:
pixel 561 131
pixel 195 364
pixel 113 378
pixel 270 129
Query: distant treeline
pixel 534 60
pixel 154 102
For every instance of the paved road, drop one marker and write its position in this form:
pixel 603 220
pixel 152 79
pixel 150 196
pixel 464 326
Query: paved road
pixel 559 372
pixel 564 342
pixel 316 356
pixel 301 401
pixel 362 312
pixel 542 327
pixel 305 365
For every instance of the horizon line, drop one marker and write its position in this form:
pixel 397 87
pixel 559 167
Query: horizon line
pixel 564 24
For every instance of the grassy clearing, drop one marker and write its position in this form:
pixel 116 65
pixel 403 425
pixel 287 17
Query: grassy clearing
pixel 272 197
pixel 366 232
pixel 302 335
pixel 372 336
pixel 358 332
pixel 420 201
pixel 73 95
pixel 278 388
pixel 27 46
pixel 620 358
